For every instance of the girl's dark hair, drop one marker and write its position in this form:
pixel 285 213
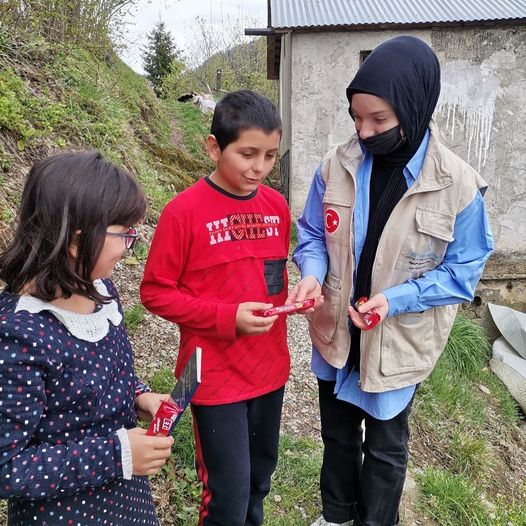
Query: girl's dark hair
pixel 239 111
pixel 65 194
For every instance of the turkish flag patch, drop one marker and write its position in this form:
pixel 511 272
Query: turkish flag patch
pixel 332 220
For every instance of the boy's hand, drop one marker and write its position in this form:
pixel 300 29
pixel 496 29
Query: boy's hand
pixel 378 302
pixel 308 287
pixel 146 405
pixel 149 453
pixel 248 323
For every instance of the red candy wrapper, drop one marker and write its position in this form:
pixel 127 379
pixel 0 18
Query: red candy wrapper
pixel 171 410
pixel 285 309
pixel 165 419
pixel 371 318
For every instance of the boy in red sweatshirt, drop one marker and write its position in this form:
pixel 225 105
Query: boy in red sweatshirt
pixel 218 255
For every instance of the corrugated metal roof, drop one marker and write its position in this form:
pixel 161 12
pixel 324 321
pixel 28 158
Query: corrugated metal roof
pixel 289 14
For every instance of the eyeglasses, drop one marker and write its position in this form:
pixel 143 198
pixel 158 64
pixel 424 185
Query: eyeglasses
pixel 130 237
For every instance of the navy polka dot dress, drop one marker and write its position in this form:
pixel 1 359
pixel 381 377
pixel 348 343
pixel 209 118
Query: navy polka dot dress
pixel 62 401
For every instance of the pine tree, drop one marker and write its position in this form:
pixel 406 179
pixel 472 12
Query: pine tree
pixel 158 55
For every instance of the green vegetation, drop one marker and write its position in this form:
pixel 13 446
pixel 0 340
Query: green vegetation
pixel 453 500
pixel 468 412
pixel 159 55
pixel 72 22
pixel 195 127
pixel 55 97
pixel 294 500
pixel 134 317
pixel 163 380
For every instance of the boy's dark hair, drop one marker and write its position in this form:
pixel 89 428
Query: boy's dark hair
pixel 239 111
pixel 65 194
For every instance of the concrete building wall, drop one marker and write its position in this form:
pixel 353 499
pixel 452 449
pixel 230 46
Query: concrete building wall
pixel 481 111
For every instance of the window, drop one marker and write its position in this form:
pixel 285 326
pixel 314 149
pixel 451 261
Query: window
pixel 364 54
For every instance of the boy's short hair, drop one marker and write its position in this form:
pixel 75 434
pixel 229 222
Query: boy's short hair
pixel 239 111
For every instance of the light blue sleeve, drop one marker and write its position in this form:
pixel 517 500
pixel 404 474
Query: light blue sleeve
pixel 455 279
pixel 311 255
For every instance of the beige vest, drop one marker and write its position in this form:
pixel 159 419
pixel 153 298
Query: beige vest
pixel 403 349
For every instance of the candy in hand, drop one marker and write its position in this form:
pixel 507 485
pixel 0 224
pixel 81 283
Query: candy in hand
pixel 371 318
pixel 285 309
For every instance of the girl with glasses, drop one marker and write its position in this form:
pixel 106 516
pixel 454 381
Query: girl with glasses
pixel 70 448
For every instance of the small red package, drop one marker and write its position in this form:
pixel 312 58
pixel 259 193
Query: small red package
pixel 286 309
pixel 371 318
pixel 165 419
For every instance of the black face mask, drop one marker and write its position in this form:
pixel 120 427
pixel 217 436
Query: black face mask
pixel 384 143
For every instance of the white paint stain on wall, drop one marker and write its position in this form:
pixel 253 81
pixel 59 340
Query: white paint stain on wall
pixel 467 100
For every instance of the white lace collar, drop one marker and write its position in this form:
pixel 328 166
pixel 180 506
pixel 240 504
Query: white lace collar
pixel 88 327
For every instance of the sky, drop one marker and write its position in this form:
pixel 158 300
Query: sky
pixel 179 17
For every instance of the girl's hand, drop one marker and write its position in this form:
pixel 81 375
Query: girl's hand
pixel 149 453
pixel 248 323
pixel 378 302
pixel 306 288
pixel 147 404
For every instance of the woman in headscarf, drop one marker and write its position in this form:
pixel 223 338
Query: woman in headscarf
pixel 395 216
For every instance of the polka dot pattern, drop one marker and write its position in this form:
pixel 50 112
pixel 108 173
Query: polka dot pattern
pixel 62 399
pixel 122 503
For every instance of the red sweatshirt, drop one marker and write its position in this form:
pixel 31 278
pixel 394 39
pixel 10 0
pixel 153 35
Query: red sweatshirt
pixel 212 251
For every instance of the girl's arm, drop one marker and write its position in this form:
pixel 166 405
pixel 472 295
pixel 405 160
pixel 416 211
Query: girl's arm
pixel 35 466
pixel 30 467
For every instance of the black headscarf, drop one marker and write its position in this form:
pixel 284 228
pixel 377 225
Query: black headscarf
pixel 404 71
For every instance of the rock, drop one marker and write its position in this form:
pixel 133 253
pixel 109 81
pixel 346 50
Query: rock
pixel 484 389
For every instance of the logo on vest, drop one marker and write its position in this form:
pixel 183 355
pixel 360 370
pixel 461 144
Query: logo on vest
pixel 332 220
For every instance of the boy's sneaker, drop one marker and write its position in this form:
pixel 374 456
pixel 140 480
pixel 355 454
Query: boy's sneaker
pixel 320 521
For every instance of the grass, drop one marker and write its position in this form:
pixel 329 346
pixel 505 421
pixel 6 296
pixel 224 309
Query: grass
pixel 451 500
pixel 471 455
pixel 294 499
pixel 452 392
pixel 289 504
pixel 454 500
pixel 194 126
pixel 66 98
pixel 134 317
pixel 465 407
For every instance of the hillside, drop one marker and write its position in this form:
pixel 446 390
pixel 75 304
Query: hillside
pixel 54 97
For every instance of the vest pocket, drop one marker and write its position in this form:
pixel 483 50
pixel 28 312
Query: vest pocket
pixel 436 223
pixel 424 248
pixel 407 343
pixel 324 319
pixel 274 275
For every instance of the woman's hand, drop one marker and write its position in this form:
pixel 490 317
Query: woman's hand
pixel 306 288
pixel 149 453
pixel 146 404
pixel 378 302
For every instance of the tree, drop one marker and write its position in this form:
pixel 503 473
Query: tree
pixel 223 59
pixel 89 23
pixel 159 55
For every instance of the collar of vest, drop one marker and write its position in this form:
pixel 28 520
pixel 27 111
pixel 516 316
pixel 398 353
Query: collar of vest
pixel 434 175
